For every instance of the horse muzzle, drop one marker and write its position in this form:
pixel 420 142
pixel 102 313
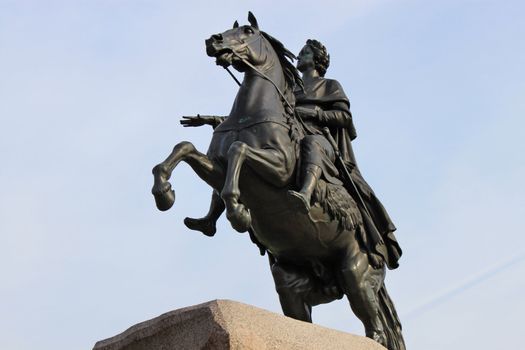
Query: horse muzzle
pixel 223 56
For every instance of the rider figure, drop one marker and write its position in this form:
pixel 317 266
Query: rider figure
pixel 323 103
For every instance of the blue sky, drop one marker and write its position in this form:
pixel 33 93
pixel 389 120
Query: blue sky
pixel 90 97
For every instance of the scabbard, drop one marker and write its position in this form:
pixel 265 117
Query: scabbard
pixel 351 186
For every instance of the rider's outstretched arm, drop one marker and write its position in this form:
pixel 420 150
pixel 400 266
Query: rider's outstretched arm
pixel 199 120
pixel 217 120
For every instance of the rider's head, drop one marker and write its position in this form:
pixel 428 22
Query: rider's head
pixel 313 55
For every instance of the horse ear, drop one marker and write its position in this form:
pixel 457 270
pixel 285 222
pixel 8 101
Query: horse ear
pixel 235 24
pixel 252 20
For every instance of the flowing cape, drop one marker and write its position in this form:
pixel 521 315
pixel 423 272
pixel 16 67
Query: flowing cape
pixel 379 237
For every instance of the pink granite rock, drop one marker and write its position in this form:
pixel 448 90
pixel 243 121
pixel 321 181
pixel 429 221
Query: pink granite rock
pixel 225 324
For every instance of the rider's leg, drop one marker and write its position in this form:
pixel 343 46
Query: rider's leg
pixel 311 175
pixel 207 224
pixel 316 154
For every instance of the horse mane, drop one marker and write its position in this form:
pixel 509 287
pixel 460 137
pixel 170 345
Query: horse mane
pixel 293 81
pixel 293 78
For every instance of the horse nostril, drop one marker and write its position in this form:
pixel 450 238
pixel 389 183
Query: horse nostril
pixel 217 37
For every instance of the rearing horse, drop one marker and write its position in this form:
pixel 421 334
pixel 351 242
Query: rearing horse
pixel 251 162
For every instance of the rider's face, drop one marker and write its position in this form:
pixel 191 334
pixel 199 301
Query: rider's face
pixel 305 59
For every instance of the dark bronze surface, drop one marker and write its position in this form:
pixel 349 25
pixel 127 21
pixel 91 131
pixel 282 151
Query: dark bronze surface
pixel 296 190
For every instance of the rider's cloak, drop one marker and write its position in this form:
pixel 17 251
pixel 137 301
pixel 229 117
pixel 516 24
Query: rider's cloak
pixel 327 96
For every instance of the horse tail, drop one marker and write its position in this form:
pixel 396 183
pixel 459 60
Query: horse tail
pixel 390 321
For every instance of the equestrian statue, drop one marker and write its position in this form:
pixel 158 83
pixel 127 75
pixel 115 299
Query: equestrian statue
pixel 282 167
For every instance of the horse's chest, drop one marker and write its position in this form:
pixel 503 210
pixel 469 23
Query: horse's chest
pixel 261 135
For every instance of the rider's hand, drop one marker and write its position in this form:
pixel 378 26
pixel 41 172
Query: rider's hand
pixel 196 121
pixel 306 113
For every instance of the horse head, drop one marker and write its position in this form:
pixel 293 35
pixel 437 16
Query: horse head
pixel 239 45
pixel 247 46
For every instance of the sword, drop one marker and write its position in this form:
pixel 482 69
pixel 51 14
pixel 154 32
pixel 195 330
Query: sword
pixel 330 139
pixel 361 202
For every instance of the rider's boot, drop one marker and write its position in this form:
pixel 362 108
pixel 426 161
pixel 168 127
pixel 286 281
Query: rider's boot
pixel 302 198
pixel 206 224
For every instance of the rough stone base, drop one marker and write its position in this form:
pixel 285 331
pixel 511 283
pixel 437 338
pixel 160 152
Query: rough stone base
pixel 225 324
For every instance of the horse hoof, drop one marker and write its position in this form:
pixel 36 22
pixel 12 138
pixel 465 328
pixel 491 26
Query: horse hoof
pixel 164 196
pixel 379 337
pixel 206 226
pixel 240 218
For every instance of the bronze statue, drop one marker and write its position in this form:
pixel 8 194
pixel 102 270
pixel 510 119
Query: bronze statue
pixel 316 238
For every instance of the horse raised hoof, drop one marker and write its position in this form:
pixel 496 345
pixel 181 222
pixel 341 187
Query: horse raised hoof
pixel 206 226
pixel 164 196
pixel 239 218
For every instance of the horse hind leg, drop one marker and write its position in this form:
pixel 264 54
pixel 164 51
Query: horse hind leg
pixel 360 282
pixel 199 162
pixel 292 285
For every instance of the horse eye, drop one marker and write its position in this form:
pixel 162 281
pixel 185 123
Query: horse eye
pixel 248 30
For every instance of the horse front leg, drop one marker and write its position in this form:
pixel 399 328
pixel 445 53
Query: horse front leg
pixel 185 151
pixel 269 164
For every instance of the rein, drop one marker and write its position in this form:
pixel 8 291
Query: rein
pixel 233 76
pixel 265 77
